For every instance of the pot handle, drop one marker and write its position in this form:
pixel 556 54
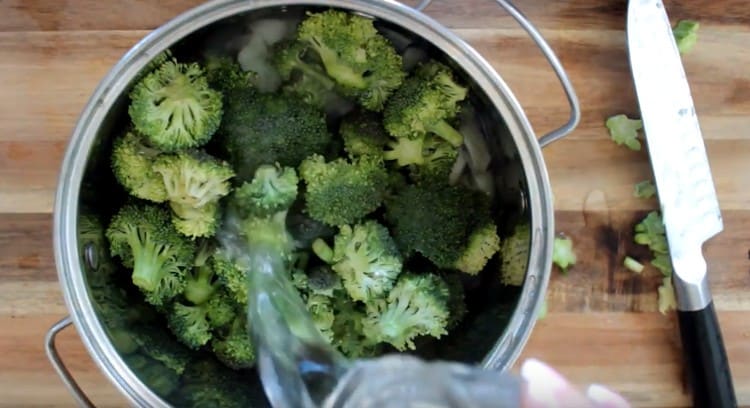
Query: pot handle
pixel 575 108
pixel 59 366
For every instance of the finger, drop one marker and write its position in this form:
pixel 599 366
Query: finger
pixel 546 388
pixel 605 398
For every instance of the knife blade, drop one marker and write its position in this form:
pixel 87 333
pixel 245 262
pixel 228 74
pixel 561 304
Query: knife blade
pixel 687 197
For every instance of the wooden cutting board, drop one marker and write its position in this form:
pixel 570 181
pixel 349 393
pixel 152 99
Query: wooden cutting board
pixel 603 324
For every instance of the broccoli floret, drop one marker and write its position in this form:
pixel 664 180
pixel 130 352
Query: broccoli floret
pixel 686 35
pixel 364 64
pixel 154 64
pixel 303 76
pixel 221 309
pixel 482 244
pixel 416 306
pixel 342 192
pixel 448 225
pixel 348 329
pixel 270 128
pixel 563 254
pixel 201 283
pixel 189 323
pixel 231 276
pixel 426 103
pixel 456 300
pixel 439 157
pixel 143 237
pixel 194 178
pixel 175 108
pixel 644 189
pixel 321 311
pixel 157 344
pixel 366 258
pixel 363 133
pixel 207 383
pixel 196 222
pixel 514 255
pixel 234 348
pixel 322 280
pixel 624 131
pixel 271 190
pixel 224 73
pixel 159 378
pixel 113 306
pixel 132 166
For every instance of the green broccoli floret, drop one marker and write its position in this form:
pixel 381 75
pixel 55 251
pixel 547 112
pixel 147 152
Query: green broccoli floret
pixel 456 300
pixel 449 225
pixel 113 307
pixel 208 383
pixel 132 166
pixel 175 108
pixel 514 255
pixel 686 35
pixel 624 131
pixel 202 282
pixel 563 254
pixel 426 103
pixel 225 73
pixel 221 309
pixel 271 190
pixel 270 128
pixel 416 306
pixel 482 244
pixel 231 276
pixel 189 323
pixel 158 377
pixel 322 280
pixel 363 133
pixel 194 177
pixel 321 311
pixel 143 237
pixel 366 258
pixel 234 348
pixel 156 343
pixel 195 182
pixel 154 64
pixel 436 164
pixel 302 73
pixel 644 189
pixel 348 329
pixel 342 192
pixel 364 64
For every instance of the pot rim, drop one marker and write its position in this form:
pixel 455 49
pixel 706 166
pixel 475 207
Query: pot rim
pixel 66 247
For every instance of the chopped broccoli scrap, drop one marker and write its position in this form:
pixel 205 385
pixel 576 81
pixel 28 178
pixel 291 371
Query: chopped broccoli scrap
pixel 686 35
pixel 624 131
pixel 644 189
pixel 563 254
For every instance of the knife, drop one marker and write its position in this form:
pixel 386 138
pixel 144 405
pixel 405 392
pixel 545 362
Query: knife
pixel 689 206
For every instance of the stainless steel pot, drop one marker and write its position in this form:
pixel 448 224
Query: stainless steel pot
pixel 508 121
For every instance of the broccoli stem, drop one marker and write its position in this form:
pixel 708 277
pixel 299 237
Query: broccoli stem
pixel 342 73
pixel 311 72
pixel 322 250
pixel 148 261
pixel 633 265
pixel 406 151
pixel 447 132
pixel 201 288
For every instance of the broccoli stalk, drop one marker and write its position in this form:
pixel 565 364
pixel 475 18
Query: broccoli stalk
pixel 366 258
pixel 364 64
pixel 144 239
pixel 175 108
pixel 416 306
pixel 425 103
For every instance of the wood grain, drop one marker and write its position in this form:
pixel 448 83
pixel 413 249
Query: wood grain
pixel 53 53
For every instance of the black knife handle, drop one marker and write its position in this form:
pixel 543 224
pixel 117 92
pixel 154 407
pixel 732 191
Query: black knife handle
pixel 707 364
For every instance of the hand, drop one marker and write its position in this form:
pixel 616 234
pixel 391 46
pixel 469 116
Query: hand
pixel 546 388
